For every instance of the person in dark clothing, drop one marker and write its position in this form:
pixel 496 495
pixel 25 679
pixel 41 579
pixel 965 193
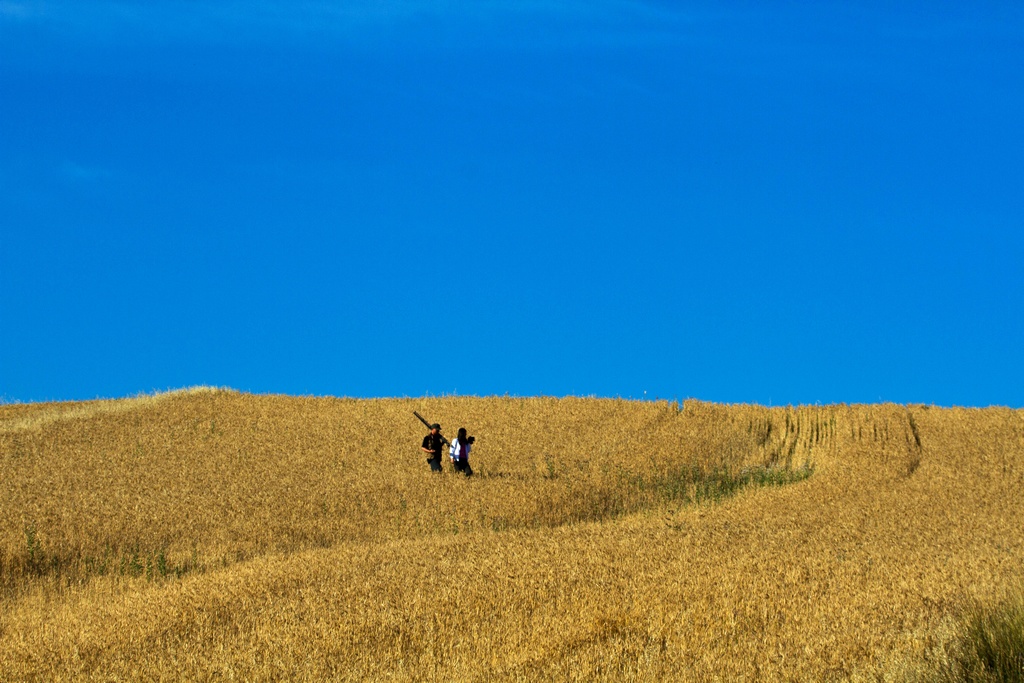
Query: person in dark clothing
pixel 433 444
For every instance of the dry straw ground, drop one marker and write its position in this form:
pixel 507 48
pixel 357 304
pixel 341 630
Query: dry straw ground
pixel 207 534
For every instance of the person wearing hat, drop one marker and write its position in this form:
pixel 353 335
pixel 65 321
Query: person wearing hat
pixel 433 443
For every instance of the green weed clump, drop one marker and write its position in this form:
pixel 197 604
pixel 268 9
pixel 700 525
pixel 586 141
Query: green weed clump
pixel 990 648
pixel 700 485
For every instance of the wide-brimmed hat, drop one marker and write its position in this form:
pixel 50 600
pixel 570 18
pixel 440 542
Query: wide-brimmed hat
pixel 436 426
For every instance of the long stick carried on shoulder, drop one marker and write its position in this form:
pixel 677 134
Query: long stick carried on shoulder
pixel 430 425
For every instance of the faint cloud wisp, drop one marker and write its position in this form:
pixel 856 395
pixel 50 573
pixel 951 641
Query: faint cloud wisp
pixel 359 21
pixel 16 10
pixel 75 172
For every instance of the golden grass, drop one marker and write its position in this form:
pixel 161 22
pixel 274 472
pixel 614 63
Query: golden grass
pixel 21 416
pixel 209 533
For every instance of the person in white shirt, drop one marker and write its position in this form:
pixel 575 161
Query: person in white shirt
pixel 460 452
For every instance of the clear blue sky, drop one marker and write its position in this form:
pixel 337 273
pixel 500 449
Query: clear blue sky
pixel 770 202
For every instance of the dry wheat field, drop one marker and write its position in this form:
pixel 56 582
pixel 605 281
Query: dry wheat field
pixel 208 534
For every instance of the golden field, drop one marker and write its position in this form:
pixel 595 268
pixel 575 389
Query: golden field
pixel 212 535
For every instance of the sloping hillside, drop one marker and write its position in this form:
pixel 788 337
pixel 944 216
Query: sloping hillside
pixel 210 533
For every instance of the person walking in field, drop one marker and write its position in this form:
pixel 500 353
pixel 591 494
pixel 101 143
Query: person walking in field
pixel 433 444
pixel 460 452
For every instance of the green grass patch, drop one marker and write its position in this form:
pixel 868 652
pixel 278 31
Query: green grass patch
pixel 697 485
pixel 989 647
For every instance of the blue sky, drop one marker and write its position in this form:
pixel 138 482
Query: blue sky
pixel 739 201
